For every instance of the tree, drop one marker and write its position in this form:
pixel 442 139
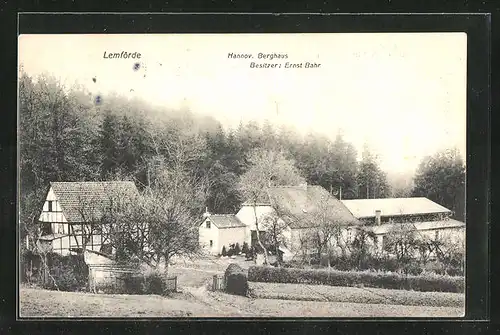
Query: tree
pixel 441 178
pixel 360 245
pixel 327 228
pixel 275 228
pixel 402 241
pixel 371 180
pixel 266 168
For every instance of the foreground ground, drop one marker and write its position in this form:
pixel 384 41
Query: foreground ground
pixel 44 303
pixel 196 300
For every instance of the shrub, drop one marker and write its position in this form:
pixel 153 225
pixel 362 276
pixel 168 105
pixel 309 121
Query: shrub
pixel 237 249
pixel 224 251
pixel 245 248
pixel 236 280
pixel 134 284
pixel 70 273
pixel 369 279
pixel 154 284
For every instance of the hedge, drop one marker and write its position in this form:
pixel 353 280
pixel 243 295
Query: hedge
pixel 236 280
pixel 425 283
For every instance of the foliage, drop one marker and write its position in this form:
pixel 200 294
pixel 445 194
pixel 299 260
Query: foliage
pixel 152 282
pixel 266 168
pixel 380 296
pixel 426 282
pixel 372 181
pixel 224 251
pixel 236 280
pixel 64 273
pixel 441 178
pixel 237 249
pixel 245 249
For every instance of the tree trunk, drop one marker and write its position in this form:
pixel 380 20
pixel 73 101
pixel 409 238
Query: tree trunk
pixel 266 262
pixel 277 255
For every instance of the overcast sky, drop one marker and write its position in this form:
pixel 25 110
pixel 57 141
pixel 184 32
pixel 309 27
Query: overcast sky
pixel 404 94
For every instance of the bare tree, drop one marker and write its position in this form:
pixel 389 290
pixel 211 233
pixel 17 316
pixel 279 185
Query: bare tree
pixel 402 241
pixel 267 167
pixel 275 227
pixel 160 223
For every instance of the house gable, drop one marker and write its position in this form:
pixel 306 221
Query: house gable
pixel 52 210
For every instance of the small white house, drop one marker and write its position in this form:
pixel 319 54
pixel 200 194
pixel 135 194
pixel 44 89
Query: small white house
pixel 297 208
pixel 218 230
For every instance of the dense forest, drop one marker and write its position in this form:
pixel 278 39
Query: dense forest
pixel 72 135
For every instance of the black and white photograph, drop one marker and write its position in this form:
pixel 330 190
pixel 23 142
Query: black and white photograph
pixel 245 175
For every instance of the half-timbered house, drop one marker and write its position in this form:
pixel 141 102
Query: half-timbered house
pixel 72 212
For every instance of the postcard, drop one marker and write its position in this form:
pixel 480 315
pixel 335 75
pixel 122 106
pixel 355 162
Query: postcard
pixel 242 175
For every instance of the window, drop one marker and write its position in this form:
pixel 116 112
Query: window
pixel 46 228
pixel 208 224
pixel 50 206
pixel 211 243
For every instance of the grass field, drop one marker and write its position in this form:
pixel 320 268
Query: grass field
pixel 355 294
pixel 196 300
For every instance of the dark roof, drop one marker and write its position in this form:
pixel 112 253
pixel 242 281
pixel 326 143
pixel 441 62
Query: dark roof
pixel 300 206
pixel 365 208
pixel 225 221
pixel 88 197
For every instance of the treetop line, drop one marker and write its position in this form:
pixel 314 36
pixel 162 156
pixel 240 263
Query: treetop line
pixel 65 137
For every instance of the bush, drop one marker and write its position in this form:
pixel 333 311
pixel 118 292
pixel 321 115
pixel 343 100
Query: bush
pixel 70 273
pixel 224 251
pixel 134 284
pixel 154 284
pixel 236 280
pixel 428 282
pixel 245 248
pixel 150 283
pixel 237 249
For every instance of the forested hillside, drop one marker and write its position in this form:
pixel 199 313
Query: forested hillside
pixel 72 135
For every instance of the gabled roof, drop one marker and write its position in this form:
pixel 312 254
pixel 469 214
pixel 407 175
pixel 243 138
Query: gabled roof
pixel 304 206
pixel 365 208
pixel 81 201
pixel 419 226
pixel 225 221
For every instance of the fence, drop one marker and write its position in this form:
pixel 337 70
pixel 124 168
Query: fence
pixel 218 283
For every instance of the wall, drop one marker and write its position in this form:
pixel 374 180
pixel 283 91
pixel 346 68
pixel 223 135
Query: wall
pixel 247 216
pixel 104 273
pixel 229 236
pixel 207 234
pixel 56 216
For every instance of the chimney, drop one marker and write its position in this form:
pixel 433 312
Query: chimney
pixel 206 214
pixel 378 213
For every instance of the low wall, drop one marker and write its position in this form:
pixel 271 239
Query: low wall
pixel 104 273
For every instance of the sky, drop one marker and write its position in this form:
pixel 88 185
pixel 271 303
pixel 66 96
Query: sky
pixel 402 93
